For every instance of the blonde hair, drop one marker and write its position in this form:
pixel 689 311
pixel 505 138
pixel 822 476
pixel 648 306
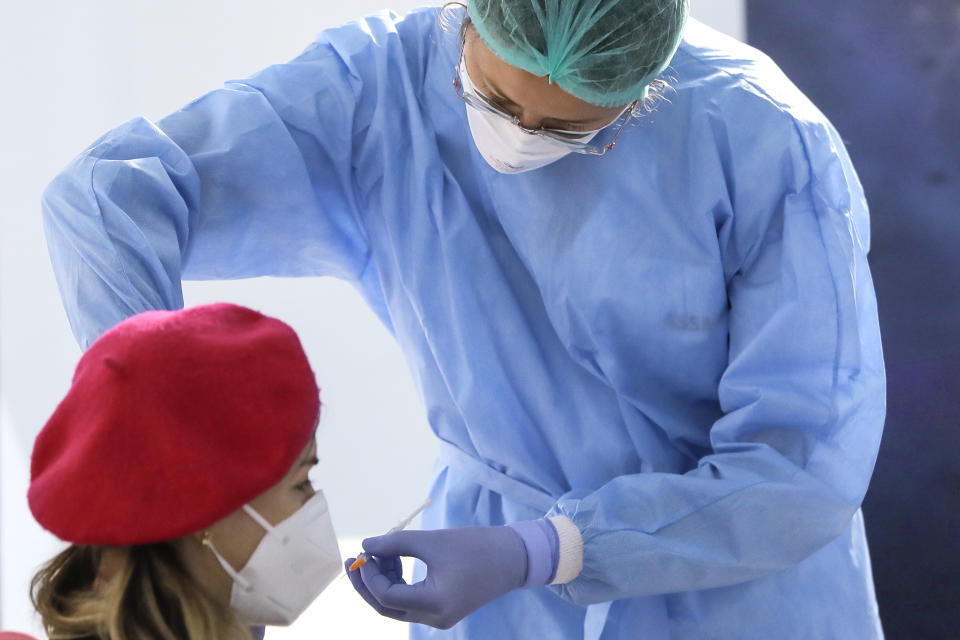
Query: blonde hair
pixel 151 596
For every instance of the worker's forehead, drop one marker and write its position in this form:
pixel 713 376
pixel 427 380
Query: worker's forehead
pixel 525 89
pixel 307 455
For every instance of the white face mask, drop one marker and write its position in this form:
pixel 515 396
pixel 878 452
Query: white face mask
pixel 293 563
pixel 504 146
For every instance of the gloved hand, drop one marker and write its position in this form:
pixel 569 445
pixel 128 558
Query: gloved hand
pixel 467 567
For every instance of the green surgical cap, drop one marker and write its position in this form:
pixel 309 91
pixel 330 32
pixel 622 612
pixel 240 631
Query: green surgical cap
pixel 605 52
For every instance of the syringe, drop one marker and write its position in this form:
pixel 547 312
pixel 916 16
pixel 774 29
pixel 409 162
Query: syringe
pixel 403 524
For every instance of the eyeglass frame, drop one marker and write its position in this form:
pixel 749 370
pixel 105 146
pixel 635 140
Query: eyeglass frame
pixel 484 104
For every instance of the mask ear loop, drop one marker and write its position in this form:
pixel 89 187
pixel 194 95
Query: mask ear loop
pixel 269 528
pixel 236 577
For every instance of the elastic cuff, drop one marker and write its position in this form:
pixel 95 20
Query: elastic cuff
pixel 570 562
pixel 542 543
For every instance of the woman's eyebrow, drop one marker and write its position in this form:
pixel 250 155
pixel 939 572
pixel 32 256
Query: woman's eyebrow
pixel 497 93
pixel 494 90
pixel 311 454
pixel 309 462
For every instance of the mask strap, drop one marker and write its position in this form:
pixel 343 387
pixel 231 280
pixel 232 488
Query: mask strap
pixel 236 577
pixel 259 518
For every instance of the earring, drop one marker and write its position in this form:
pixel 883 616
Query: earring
pixel 207 539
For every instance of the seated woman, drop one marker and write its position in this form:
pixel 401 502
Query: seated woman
pixel 176 466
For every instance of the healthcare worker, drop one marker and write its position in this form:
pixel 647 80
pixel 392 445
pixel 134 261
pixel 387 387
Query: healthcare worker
pixel 176 467
pixel 658 360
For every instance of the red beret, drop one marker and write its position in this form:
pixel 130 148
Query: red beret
pixel 13 635
pixel 174 420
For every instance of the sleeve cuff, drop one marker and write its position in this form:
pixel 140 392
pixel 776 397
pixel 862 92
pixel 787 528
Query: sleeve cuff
pixel 542 544
pixel 570 550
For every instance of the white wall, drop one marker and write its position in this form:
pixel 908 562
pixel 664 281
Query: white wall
pixel 71 70
pixel 729 16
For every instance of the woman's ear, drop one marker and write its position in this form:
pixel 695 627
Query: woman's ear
pixel 190 546
pixel 194 540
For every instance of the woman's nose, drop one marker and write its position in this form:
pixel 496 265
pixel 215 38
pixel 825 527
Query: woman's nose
pixel 528 120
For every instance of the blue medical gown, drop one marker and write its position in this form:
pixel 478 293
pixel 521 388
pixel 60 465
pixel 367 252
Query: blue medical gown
pixel 676 343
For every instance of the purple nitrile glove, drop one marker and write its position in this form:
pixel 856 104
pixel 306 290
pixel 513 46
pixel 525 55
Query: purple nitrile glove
pixel 467 567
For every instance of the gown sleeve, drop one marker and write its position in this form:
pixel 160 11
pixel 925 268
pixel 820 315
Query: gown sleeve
pixel 802 395
pixel 255 178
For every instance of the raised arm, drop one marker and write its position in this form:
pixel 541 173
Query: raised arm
pixel 255 178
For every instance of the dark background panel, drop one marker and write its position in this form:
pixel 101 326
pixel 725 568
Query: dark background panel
pixel 887 74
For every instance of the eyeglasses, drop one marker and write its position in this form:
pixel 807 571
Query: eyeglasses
pixel 573 140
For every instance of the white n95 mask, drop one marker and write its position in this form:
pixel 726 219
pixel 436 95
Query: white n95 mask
pixel 293 563
pixel 504 146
